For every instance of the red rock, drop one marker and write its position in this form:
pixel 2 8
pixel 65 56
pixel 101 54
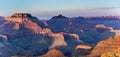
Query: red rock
pixel 53 53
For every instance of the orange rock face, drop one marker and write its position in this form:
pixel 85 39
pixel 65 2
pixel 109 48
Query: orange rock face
pixel 83 47
pixel 108 45
pixel 115 53
pixel 53 53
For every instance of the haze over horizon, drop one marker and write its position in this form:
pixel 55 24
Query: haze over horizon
pixel 45 9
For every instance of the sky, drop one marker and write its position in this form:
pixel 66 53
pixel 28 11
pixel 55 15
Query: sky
pixel 45 9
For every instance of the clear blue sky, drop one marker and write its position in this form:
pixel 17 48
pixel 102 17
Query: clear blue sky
pixel 48 8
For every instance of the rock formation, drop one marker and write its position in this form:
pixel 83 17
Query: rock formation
pixel 108 45
pixel 24 32
pixel 24 35
pixel 60 22
pixel 82 50
pixel 58 40
pixel 115 53
pixel 53 53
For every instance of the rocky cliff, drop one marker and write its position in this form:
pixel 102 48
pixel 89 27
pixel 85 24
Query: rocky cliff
pixel 22 34
pixel 115 53
pixel 25 35
pixel 108 45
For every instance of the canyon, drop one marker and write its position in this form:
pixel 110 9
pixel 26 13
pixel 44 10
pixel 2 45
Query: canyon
pixel 25 35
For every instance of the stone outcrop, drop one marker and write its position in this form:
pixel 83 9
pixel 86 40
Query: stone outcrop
pixel 53 53
pixel 57 41
pixel 23 17
pixel 20 23
pixel 115 53
pixel 83 47
pixel 82 50
pixel 106 46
